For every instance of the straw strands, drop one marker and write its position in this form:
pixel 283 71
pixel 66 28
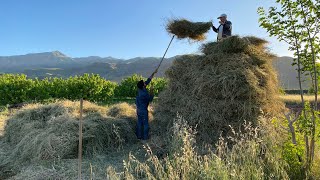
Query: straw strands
pixel 49 132
pixel 183 28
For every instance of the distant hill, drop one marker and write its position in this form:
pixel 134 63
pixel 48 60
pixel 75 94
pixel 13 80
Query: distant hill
pixel 57 64
pixel 19 63
pixel 288 75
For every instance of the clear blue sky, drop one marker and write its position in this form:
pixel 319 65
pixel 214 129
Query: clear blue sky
pixel 117 28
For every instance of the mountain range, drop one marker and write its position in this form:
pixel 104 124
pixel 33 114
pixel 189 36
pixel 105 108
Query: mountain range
pixel 57 64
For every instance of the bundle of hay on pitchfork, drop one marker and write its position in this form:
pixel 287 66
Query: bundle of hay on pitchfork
pixel 183 28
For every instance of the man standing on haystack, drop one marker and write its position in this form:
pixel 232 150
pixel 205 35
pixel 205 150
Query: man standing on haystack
pixel 224 29
pixel 142 102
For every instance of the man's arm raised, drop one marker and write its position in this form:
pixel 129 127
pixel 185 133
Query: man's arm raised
pixel 214 28
pixel 150 78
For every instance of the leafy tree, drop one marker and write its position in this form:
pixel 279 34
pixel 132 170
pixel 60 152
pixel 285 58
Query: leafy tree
pixel 17 88
pixel 297 23
pixel 14 88
pixel 40 90
pixel 158 84
pixel 128 86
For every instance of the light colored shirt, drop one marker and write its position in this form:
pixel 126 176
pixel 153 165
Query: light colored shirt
pixel 220 31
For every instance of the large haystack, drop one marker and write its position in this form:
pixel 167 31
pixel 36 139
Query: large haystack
pixel 231 82
pixel 44 132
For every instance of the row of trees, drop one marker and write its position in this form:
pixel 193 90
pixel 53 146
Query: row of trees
pixel 296 22
pixel 18 88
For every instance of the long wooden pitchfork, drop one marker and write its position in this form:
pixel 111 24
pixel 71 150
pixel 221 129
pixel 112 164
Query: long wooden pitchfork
pixel 165 53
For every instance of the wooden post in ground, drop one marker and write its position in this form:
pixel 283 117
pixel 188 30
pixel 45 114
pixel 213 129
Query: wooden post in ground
pixel 80 140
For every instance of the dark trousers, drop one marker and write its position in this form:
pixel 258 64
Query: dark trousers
pixel 142 125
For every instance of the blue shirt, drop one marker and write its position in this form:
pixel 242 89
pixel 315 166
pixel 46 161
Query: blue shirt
pixel 144 98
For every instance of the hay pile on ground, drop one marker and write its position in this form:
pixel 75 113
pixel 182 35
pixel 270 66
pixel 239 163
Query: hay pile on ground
pixel 41 173
pixel 46 132
pixel 2 124
pixel 126 111
pixel 122 110
pixel 3 118
pixel 232 82
pixel 183 28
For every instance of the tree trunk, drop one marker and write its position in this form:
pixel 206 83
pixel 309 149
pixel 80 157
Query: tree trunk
pixel 306 139
pixel 295 35
pixel 315 81
pixel 293 133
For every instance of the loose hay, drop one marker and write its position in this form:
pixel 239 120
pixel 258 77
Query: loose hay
pixel 43 132
pixel 122 110
pixel 234 44
pixel 40 173
pixel 232 82
pixel 2 124
pixel 183 28
pixel 126 111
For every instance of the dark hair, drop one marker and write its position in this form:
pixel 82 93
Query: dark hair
pixel 140 84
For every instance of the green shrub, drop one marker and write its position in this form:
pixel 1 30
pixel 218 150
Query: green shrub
pixel 293 155
pixel 90 87
pixel 40 90
pixel 128 86
pixel 14 88
pixel 159 84
pixel 17 88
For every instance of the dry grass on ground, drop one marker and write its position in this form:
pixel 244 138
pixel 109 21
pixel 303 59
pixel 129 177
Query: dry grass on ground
pixel 296 99
pixel 2 124
pixel 39 135
pixel 4 113
pixel 96 166
pixel 122 110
